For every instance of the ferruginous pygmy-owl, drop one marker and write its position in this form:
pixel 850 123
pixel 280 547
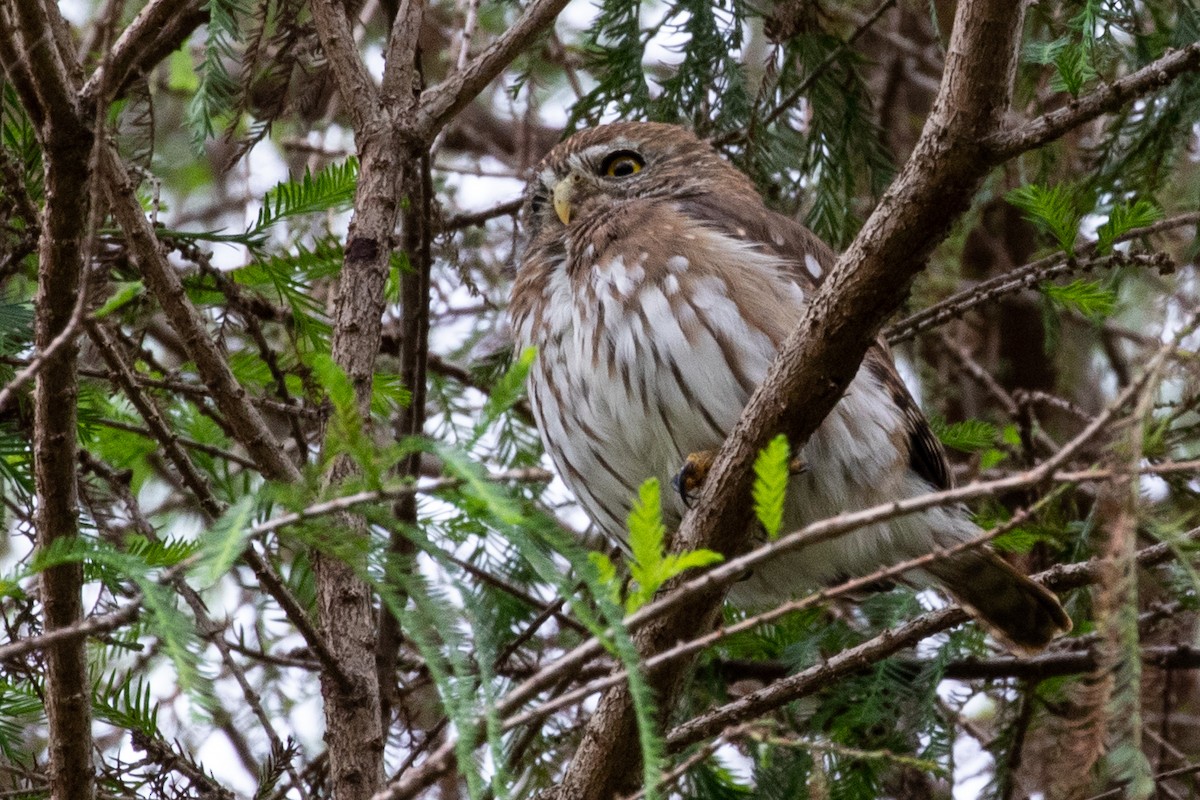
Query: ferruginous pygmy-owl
pixel 657 288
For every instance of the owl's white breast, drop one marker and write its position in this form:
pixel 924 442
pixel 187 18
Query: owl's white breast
pixel 641 364
pixel 633 373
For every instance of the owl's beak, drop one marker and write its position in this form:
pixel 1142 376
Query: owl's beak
pixel 562 198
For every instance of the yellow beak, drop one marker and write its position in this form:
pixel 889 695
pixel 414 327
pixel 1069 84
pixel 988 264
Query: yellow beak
pixel 562 198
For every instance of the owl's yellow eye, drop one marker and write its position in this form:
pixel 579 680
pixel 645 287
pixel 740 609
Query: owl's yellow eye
pixel 622 164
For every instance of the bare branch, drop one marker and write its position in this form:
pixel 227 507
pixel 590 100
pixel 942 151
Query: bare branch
pixel 469 219
pixel 1072 662
pixel 78 630
pixel 359 93
pixel 1005 144
pixel 160 27
pixel 439 104
pixel 1028 276
pixel 349 502
pixel 163 280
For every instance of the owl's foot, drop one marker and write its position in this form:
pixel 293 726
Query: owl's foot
pixel 690 478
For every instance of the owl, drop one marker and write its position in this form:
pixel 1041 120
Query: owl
pixel 657 288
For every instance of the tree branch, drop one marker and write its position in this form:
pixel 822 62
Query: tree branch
pixel 160 27
pixel 163 281
pixel 1004 144
pixel 848 661
pixel 439 104
pixel 77 631
pixel 359 93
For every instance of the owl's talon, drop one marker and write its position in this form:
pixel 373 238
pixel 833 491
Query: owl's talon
pixel 691 476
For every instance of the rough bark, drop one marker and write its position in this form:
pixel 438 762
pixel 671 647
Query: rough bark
pixel 68 690
pixel 66 138
pixel 354 730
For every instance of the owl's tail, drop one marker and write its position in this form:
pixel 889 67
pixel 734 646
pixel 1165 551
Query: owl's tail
pixel 1024 615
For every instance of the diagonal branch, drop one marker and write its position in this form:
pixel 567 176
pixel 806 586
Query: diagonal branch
pixel 439 104
pixel 164 282
pixel 160 27
pixel 49 75
pixel 359 93
pixel 1004 144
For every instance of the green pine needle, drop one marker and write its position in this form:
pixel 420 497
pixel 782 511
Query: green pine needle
pixel 1089 298
pixel 1054 210
pixel 771 474
pixel 969 436
pixel 649 565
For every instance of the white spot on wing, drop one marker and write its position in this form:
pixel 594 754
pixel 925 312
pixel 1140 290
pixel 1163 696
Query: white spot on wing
pixel 814 266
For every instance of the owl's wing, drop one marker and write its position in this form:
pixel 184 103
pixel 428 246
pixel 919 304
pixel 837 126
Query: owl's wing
pixel 810 260
pixel 776 234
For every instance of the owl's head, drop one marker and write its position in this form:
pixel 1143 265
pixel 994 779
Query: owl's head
pixel 589 175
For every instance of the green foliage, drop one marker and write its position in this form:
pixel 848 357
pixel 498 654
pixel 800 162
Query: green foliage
pixel 222 544
pixel 218 90
pixel 126 703
pixel 124 293
pixel 614 46
pixel 176 633
pixel 21 708
pixel 275 768
pixel 650 565
pixel 1055 210
pixel 330 189
pixel 1089 298
pixel 771 476
pixel 710 68
pixel 16 325
pixel 969 436
pixel 843 146
pixel 1123 218
pixel 506 391
pixel 346 433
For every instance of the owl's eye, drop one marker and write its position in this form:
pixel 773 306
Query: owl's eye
pixel 621 164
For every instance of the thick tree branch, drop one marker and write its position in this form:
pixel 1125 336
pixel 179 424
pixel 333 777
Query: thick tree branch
pixel 354 730
pixel 49 75
pixel 398 90
pixel 67 225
